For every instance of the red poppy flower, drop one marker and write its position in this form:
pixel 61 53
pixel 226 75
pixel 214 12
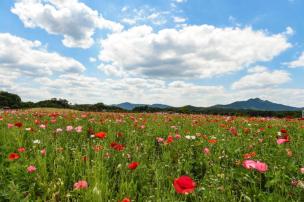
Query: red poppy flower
pixel 233 131
pixel 13 156
pixel 133 165
pixel 18 124
pixel 283 130
pixel 169 139
pixel 126 200
pixel 101 135
pixel 212 141
pixel 184 185
pixel 249 155
pixel 117 147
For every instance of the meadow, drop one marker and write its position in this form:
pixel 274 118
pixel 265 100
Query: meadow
pixel 62 155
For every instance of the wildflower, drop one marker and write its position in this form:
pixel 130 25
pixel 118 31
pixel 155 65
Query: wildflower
pixel 82 184
pixel 101 135
pixel 160 139
pixel 169 139
pixel 43 152
pixel 29 129
pixel 257 165
pixel 302 170
pixel 42 126
pixel 18 124
pixel 249 164
pixel 36 141
pixel 289 152
pixel 9 125
pixel 177 136
pixel 13 156
pixel 261 167
pixel 190 137
pixel 69 128
pixel 59 130
pixel 117 147
pixel 282 140
pixel 21 149
pixel 249 155
pixel 212 141
pixel 206 150
pixel 133 165
pixel 126 200
pixel 233 131
pixel 31 169
pixel 78 129
pixel 184 185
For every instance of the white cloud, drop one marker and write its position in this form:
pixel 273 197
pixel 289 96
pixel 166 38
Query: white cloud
pixel 180 1
pixel 177 19
pixel 84 89
pixel 92 59
pixel 257 69
pixel 145 15
pixel 261 78
pixel 29 58
pixel 192 51
pixel 297 63
pixel 74 20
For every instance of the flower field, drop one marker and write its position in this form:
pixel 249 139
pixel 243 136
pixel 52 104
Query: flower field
pixel 77 156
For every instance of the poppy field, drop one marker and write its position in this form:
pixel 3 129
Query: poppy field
pixel 56 155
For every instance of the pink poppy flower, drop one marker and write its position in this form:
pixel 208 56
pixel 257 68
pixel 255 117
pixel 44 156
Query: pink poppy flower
pixel 177 136
pixel 31 169
pixel 10 125
pixel 249 164
pixel 21 149
pixel 42 126
pixel 302 170
pixel 261 167
pixel 82 184
pixel 43 152
pixel 69 128
pixel 281 141
pixel 78 129
pixel 206 151
pixel 160 139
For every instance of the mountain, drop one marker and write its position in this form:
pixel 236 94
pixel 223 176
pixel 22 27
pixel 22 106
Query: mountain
pixel 258 104
pixel 160 106
pixel 131 106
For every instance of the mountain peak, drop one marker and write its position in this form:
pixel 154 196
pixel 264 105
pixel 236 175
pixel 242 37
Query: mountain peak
pixel 258 104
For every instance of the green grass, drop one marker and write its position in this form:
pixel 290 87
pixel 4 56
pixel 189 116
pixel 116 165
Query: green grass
pixel 219 176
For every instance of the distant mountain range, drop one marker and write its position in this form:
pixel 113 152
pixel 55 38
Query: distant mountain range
pixel 131 106
pixel 251 104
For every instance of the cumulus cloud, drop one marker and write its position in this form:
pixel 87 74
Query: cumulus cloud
pixel 79 88
pixel 177 19
pixel 87 89
pixel 74 20
pixel 192 51
pixel 261 78
pixel 29 58
pixel 297 63
pixel 180 1
pixel 144 15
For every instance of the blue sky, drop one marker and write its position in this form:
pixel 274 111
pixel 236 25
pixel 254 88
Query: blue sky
pixel 176 52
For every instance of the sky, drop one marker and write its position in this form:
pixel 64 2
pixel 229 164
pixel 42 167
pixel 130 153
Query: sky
pixel 175 52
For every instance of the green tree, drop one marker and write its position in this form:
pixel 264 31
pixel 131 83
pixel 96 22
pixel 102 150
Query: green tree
pixel 9 100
